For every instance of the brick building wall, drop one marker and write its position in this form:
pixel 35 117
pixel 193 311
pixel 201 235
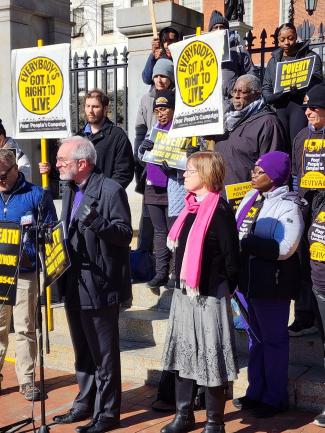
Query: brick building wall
pixel 316 18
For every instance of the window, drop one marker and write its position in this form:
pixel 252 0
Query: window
pixel 135 3
pixel 284 15
pixel 192 4
pixel 78 17
pixel 248 17
pixel 107 19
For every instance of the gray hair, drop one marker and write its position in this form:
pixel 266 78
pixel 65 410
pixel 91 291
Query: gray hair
pixel 83 148
pixel 7 156
pixel 253 82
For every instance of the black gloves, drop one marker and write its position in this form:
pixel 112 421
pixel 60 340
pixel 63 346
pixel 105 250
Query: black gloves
pixel 166 168
pixel 274 98
pixel 88 215
pixel 146 145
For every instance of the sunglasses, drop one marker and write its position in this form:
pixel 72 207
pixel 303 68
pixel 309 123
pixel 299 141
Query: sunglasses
pixel 4 176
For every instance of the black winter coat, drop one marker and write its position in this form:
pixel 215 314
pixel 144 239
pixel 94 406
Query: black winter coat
pixel 220 259
pixel 259 134
pixel 114 153
pixel 270 72
pixel 100 272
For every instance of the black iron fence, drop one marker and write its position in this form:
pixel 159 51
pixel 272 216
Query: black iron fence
pixel 306 31
pixel 106 71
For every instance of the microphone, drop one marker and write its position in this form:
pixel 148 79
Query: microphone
pixel 27 220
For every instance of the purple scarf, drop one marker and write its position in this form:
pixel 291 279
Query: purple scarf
pixel 245 209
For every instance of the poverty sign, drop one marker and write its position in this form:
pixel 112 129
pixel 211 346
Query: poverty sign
pixel 317 238
pixel 294 73
pixel 313 164
pixel 197 67
pixel 56 257
pixel 167 148
pixel 236 192
pixel 10 238
pixel 41 88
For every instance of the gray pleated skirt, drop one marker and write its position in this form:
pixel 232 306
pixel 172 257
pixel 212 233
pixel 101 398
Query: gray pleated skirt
pixel 200 340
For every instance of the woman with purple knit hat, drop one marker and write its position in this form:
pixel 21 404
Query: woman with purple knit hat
pixel 270 224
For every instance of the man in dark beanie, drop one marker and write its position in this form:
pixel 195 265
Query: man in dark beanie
pixel 240 62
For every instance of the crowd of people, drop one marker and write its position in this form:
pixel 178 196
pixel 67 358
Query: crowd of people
pixel 267 253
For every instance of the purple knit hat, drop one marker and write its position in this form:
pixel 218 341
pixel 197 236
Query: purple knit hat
pixel 276 165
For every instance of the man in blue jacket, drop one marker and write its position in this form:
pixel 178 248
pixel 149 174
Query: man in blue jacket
pixel 19 198
pixel 96 212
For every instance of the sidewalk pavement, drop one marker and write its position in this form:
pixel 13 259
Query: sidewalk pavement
pixel 136 413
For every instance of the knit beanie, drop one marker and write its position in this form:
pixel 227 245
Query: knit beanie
pixel 164 98
pixel 2 129
pixel 164 67
pixel 276 165
pixel 218 18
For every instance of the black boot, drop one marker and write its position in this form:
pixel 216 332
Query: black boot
pixel 215 399
pixel 184 419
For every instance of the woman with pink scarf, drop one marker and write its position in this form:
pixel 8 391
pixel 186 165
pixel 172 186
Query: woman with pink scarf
pixel 200 344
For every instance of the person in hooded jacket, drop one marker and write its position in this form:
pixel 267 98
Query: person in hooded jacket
pixel 240 62
pixel 288 104
pixel 160 50
pixel 270 224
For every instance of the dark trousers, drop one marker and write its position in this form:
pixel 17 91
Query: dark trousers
pixel 293 120
pixel 145 236
pixel 95 339
pixel 160 222
pixel 320 298
pixel 305 305
pixel 268 357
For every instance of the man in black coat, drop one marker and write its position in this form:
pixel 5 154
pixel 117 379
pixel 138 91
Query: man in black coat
pixel 114 150
pixel 98 221
pixel 253 129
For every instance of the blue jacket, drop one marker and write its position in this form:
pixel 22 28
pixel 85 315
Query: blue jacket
pixel 24 199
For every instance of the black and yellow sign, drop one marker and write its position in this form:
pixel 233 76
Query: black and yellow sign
pixel 295 73
pixel 197 73
pixel 313 164
pixel 169 149
pixel 236 192
pixel 40 85
pixel 56 258
pixel 10 237
pixel 317 238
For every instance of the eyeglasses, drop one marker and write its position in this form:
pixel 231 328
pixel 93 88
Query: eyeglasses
pixel 64 162
pixel 4 176
pixel 190 172
pixel 257 173
pixel 241 92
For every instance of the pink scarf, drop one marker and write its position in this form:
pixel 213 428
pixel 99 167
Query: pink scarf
pixel 192 260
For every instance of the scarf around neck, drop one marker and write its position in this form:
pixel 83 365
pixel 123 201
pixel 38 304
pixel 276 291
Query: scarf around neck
pixel 192 260
pixel 235 118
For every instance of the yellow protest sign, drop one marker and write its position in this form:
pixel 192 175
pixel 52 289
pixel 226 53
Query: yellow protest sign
pixel 167 148
pixel 10 238
pixel 313 164
pixel 40 85
pixel 294 73
pixel 56 257
pixel 236 192
pixel 197 73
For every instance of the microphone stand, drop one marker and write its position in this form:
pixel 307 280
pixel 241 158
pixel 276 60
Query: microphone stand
pixel 44 428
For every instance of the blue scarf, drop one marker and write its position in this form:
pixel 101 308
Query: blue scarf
pixel 235 118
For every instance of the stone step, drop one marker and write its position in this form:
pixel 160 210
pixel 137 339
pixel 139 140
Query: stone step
pixel 143 297
pixel 147 326
pixel 305 350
